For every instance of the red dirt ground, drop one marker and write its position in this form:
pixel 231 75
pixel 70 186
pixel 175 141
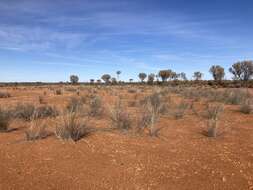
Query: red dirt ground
pixel 181 158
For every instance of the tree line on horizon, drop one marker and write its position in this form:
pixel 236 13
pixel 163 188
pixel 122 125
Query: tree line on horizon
pixel 242 70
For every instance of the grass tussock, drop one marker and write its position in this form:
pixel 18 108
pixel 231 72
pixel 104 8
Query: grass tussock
pixel 151 110
pixel 213 114
pixel 95 106
pixel 4 120
pixel 246 107
pixel 71 127
pixel 120 118
pixel 27 111
pixel 36 130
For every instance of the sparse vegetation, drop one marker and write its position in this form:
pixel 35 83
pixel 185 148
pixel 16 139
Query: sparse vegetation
pixel 5 95
pixel 95 106
pixel 246 107
pixel 24 111
pixel 58 92
pixel 213 113
pixel 4 120
pixel 71 127
pixel 120 119
pixel 37 129
pixel 152 107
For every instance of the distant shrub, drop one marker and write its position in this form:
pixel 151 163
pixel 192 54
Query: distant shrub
pixel 74 79
pixel 235 97
pixel 71 127
pixel 5 95
pixel 4 120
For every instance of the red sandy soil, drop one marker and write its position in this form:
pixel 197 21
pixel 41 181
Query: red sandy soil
pixel 180 158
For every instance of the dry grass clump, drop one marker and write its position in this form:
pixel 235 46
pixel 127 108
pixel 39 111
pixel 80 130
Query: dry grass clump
pixel 132 103
pixel 120 119
pixel 151 111
pixel 75 104
pixel 213 113
pixel 36 130
pixel 27 111
pixel 132 90
pixel 246 107
pixel 236 97
pixel 46 111
pixel 24 111
pixel 42 100
pixel 180 109
pixel 5 95
pixel 71 127
pixel 95 106
pixel 4 120
pixel 58 92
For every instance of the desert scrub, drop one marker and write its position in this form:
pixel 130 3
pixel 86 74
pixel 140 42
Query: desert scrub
pixel 5 95
pixel 27 111
pixel 95 106
pixel 180 109
pixel 46 111
pixel 75 104
pixel 151 107
pixel 246 107
pixel 120 119
pixel 58 92
pixel 37 129
pixel 42 100
pixel 24 111
pixel 213 114
pixel 71 127
pixel 4 120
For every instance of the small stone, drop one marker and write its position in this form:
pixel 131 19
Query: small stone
pixel 224 179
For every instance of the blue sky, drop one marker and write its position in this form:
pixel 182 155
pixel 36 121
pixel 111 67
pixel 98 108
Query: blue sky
pixel 42 40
